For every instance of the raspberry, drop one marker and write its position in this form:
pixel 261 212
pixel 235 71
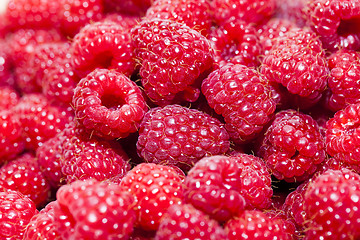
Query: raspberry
pixel 331 205
pixel 180 136
pixel 214 186
pixel 103 44
pixel 126 21
pixel 6 65
pixel 109 103
pixel 48 156
pixel 75 14
pixel 254 224
pixel 186 222
pixel 16 210
pixel 133 7
pixel 336 22
pixel 195 14
pixel 173 60
pixel 343 83
pixel 342 133
pixel 9 97
pixel 155 188
pixel 32 13
pixel 297 61
pixel 292 10
pixel 42 225
pixel 40 120
pixel 237 42
pixel 83 158
pixel 251 11
pixel 292 146
pixel 272 30
pixel 11 139
pixel 242 96
pixel 23 174
pixel 93 210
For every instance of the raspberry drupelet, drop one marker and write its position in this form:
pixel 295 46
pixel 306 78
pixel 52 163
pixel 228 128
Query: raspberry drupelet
pixel 243 97
pixel 292 146
pixel 109 104
pixel 173 60
pixel 176 135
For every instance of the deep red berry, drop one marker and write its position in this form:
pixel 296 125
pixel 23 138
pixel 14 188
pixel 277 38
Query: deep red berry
pixel 331 204
pixel 214 186
pixel 293 146
pixel 24 175
pixel 342 134
pixel 103 44
pixel 186 222
pixel 254 224
pixel 40 120
pixel 93 210
pixel 32 13
pixel 42 225
pixel 176 135
pixel 173 60
pixel 243 97
pixel 75 14
pixel 84 157
pixel 11 136
pixel 251 11
pixel 133 7
pixel 155 188
pixel 343 82
pixel 194 13
pixel 16 210
pixel 336 22
pixel 297 61
pixel 109 103
pixel 237 42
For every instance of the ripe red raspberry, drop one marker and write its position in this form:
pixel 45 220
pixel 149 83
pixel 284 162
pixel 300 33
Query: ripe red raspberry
pixel 24 175
pixel 343 82
pixel 336 22
pixel 75 14
pixel 40 120
pixel 297 61
pixel 176 135
pixel 292 10
pixel 254 224
pixel 194 13
pixel 155 188
pixel 16 210
pixel 32 14
pixel 48 156
pixel 103 44
pixel 251 11
pixel 272 30
pixel 11 136
pixel 331 204
pixel 109 103
pixel 292 146
pixel 84 157
pixel 93 210
pixel 186 222
pixel 342 133
pixel 237 42
pixel 42 225
pixel 173 60
pixel 243 97
pixel 214 186
pixel 9 97
pixel 133 7
pixel 7 77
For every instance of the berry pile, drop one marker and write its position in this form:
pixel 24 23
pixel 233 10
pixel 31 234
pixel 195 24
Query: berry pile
pixel 180 119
